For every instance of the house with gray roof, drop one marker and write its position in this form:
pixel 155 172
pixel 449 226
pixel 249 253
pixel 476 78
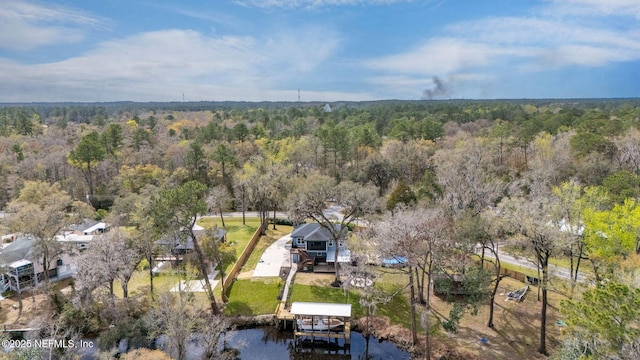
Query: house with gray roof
pixel 313 246
pixel 21 268
pixel 89 227
pixel 18 272
pixel 181 243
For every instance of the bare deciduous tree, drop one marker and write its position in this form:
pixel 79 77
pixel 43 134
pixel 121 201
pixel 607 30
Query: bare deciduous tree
pixel 531 222
pixel 629 151
pixel 415 236
pixel 41 210
pixel 311 199
pixel 218 200
pixel 466 177
pixel 178 317
pixel 112 256
pixel 175 317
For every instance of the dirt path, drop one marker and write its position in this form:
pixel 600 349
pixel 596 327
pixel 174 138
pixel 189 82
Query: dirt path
pixel 9 309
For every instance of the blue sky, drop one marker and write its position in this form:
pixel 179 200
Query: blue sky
pixel 265 50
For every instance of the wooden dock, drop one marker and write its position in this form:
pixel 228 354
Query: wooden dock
pixel 330 334
pixel 321 312
pixel 284 317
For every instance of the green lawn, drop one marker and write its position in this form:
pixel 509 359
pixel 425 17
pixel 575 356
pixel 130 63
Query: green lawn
pixel 313 293
pixel 238 235
pixel 518 268
pixel 253 297
pixel 139 283
pixel 397 309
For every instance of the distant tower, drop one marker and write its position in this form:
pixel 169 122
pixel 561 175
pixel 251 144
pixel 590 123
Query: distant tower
pixel 298 94
pixel 182 97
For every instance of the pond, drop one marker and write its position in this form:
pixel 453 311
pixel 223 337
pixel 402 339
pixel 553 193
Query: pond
pixel 267 343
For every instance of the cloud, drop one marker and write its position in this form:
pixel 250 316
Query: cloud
pixel 503 47
pixel 24 25
pixel 293 4
pixel 538 41
pixel 598 8
pixel 160 65
pixel 443 56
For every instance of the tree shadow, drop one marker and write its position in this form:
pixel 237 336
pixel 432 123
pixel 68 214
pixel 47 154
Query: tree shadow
pixel 238 308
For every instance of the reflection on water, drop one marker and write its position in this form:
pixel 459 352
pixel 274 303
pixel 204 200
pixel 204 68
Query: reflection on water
pixel 268 343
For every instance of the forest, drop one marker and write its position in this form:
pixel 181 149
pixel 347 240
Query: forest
pixel 448 185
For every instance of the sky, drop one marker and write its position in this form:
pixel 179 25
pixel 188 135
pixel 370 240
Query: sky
pixel 317 50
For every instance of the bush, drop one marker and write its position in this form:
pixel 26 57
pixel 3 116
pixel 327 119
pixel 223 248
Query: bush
pixel 143 265
pixel 100 214
pixel 85 322
pixel 279 221
pixel 128 328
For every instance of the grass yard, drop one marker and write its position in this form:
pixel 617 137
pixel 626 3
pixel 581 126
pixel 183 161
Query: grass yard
pixel 237 234
pixel 139 283
pixel 517 325
pixel 397 308
pixel 317 288
pixel 518 268
pixel 313 293
pixel 162 283
pixel 559 261
pixel 250 297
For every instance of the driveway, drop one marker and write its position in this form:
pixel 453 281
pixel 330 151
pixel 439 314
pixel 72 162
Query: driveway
pixel 273 258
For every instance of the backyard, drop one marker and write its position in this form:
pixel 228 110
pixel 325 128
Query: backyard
pixel 238 236
pixel 516 331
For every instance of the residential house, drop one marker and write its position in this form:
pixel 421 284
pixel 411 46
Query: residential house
pixel 79 236
pixel 89 227
pixel 21 269
pixel 177 245
pixel 313 246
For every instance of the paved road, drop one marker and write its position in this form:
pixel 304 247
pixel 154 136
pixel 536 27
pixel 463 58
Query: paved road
pixel 279 214
pixel 530 264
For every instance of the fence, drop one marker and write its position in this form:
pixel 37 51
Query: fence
pixel 513 274
pixel 243 257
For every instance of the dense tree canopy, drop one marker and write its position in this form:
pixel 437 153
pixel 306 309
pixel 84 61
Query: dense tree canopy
pixel 152 166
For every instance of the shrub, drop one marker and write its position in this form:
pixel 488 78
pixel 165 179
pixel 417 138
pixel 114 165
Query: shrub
pixel 279 221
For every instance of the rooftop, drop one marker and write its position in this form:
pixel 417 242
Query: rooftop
pixel 19 263
pixel 312 232
pixel 18 249
pixel 320 309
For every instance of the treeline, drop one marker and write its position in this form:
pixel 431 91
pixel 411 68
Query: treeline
pixel 380 142
pixel 483 171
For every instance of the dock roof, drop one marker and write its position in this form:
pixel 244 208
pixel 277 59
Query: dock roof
pixel 320 309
